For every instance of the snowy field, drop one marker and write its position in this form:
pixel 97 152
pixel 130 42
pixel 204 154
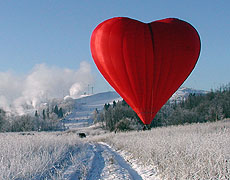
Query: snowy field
pixel 61 156
pixel 35 155
pixel 198 151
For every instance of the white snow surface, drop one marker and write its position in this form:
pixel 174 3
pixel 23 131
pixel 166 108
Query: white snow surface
pixel 101 162
pixel 84 107
pixel 183 92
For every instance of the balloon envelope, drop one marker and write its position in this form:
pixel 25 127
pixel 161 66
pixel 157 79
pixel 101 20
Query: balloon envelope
pixel 145 62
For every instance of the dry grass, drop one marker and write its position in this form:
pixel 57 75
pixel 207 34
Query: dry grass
pixel 197 151
pixel 28 156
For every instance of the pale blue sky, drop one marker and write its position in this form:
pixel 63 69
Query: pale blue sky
pixel 57 32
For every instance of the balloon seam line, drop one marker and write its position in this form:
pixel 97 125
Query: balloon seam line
pixel 153 47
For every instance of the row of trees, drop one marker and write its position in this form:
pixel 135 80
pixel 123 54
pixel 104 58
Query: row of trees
pixel 118 116
pixel 46 113
pixel 212 106
pixel 42 120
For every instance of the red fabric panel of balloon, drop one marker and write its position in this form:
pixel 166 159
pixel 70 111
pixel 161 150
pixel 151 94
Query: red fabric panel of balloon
pixel 145 62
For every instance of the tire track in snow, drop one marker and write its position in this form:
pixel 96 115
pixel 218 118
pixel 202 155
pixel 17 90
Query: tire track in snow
pixel 133 175
pixel 97 161
pixel 108 164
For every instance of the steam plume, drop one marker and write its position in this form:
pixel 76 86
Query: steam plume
pixel 42 83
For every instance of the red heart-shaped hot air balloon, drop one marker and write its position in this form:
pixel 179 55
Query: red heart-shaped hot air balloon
pixel 145 62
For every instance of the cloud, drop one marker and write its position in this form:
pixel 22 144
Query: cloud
pixel 42 83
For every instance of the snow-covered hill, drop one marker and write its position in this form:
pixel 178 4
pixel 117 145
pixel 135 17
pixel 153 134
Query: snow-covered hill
pixel 91 102
pixel 182 93
pixel 85 106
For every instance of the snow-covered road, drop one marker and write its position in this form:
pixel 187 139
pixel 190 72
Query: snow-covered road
pixel 99 161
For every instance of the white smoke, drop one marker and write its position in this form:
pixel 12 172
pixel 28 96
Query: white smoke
pixel 44 82
pixel 75 90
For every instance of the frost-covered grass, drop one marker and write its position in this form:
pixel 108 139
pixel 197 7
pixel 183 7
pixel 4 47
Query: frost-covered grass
pixel 33 156
pixel 197 151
